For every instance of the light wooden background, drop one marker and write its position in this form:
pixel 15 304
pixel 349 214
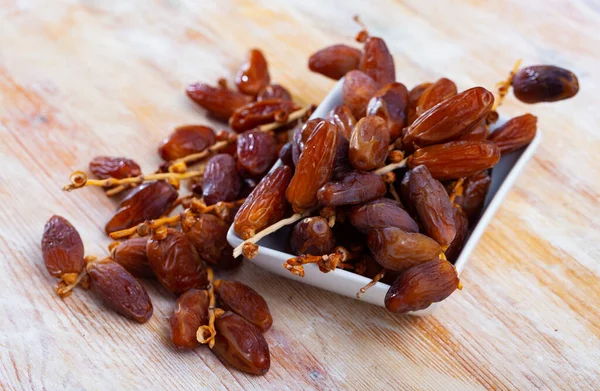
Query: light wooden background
pixel 82 78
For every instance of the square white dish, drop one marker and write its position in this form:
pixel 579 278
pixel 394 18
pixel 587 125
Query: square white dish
pixel 272 255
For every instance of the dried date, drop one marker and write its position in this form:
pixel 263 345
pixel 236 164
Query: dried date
pixel 461 222
pixel 436 93
pixel 186 140
pixel 397 250
pixel 515 134
pixel 381 213
pixel 369 143
pixel 335 61
pixel 377 62
pixel 256 152
pixel 114 167
pixel 390 103
pixel 355 188
pixel 544 83
pixel 312 235
pixel 475 189
pixel 274 91
pixel 253 75
pixel 219 102
pixel 259 113
pixel 244 301
pixel 357 91
pixel 191 312
pixel 413 100
pixel 131 254
pixel 221 180
pixel 342 116
pixel 208 234
pixel 62 248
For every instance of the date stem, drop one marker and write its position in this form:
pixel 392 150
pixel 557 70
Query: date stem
pixel 374 281
pixel 207 334
pixel 504 85
pixel 143 229
pixel 293 116
pixel 390 167
pixel 80 179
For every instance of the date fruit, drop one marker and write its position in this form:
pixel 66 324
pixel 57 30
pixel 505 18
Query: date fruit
pixel 274 91
pixel 515 134
pixel 119 290
pixel 114 167
pixel 148 201
pixel 62 248
pixel 221 180
pixel 342 116
pixel 456 159
pixel 191 312
pixel 475 190
pixel 413 101
pixel 301 135
pixel 241 344
pixel 314 168
pixel 433 205
pixel 355 188
pixel 259 113
pixel 397 250
pixel 186 140
pixel 390 103
pixel 219 102
pixel 479 133
pixel 357 91
pixel 244 301
pixel 436 93
pixel 422 285
pixel 253 75
pixel 451 118
pixel 544 83
pixel 381 213
pixel 131 254
pixel 208 234
pixel 461 222
pixel 369 143
pixel 176 263
pixel 377 62
pixel 335 61
pixel 312 235
pixel 256 152
pixel 265 205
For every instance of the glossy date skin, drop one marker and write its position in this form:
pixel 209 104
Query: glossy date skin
pixel 355 188
pixel 335 61
pixel 397 250
pixel 301 135
pixel 357 91
pixel 342 116
pixel 515 134
pixel 369 143
pixel 176 263
pixel 221 180
pixel 253 75
pixel 244 301
pixel 433 205
pixel 434 94
pixel 208 234
pixel 148 201
pixel 191 312
pixel 274 91
pixel 544 83
pixel 456 159
pixel 259 113
pixel 377 62
pixel 381 213
pixel 390 103
pixel 256 152
pixel 265 205
pixel 131 254
pixel 186 140
pixel 119 290
pixel 422 285
pixel 62 247
pixel 475 189
pixel 241 344
pixel 221 103
pixel 413 100
pixel 450 119
pixel 461 222
pixel 312 235
pixel 114 167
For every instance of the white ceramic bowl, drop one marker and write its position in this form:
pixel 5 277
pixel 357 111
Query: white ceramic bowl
pixel 272 255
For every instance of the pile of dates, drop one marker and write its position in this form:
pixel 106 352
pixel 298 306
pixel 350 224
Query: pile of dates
pixel 388 185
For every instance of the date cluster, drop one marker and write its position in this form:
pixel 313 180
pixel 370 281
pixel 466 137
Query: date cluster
pixel 388 186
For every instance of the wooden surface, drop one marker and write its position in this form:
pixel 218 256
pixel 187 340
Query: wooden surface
pixel 84 78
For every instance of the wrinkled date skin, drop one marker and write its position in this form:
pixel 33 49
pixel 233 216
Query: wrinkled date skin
pixel 381 213
pixel 341 165
pixel 357 91
pixel 119 290
pixel 301 135
pixel 456 159
pixel 176 263
pixel 369 143
pixel 259 113
pixel 436 93
pixel 114 167
pixel 241 344
pixel 422 285
pixel 405 195
pixel 413 101
pixel 515 134
pixel 451 118
pixel 148 201
pixel 221 180
pixel 274 91
pixel 335 61
pixel 265 205
pixel 398 250
pixel 544 83
pixel 253 75
pixel 244 301
pixel 479 133
pixel 219 102
pixel 475 190
pixel 342 116
pixel 131 254
pixel 208 234
pixel 256 152
pixel 390 103
pixel 191 312
pixel 186 140
pixel 62 247
pixel 433 205
pixel 312 235
pixel 314 168
pixel 355 188
pixel 377 62
pixel 461 222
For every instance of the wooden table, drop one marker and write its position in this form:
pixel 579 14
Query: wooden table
pixel 84 78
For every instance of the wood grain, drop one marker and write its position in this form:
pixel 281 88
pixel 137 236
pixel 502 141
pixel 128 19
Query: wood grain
pixel 84 78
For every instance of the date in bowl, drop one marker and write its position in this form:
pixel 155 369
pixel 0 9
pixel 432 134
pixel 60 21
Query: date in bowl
pixel 272 252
